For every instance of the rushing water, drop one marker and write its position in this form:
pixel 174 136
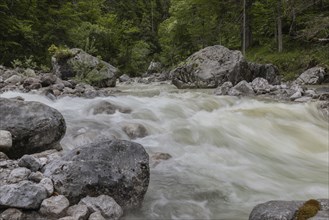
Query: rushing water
pixel 228 153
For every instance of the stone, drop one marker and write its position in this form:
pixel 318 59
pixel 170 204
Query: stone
pixel 311 76
pixel 79 63
pixel 29 72
pixel 275 210
pixel 265 71
pixel 79 212
pixel 30 162
pixel 96 216
pixel 116 168
pixel 124 78
pixel 54 206
pixel 5 140
pixel 3 156
pixel 211 67
pixel 321 215
pixel 303 99
pixel 68 218
pixel 223 89
pixel 261 85
pixel 242 88
pixel 106 205
pixel 11 214
pixel 47 183
pixel 157 157
pixel 135 130
pixel 36 177
pixel 35 127
pixel 48 80
pixel 19 174
pixel 13 80
pixel 105 107
pixel 24 195
pixel 154 67
pixel 296 95
pixel 30 81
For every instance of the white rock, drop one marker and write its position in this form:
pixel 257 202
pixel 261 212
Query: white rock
pixel 19 174
pixel 79 212
pixel 54 206
pixel 48 185
pixel 5 140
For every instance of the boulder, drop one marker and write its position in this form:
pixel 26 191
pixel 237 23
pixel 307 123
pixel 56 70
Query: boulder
pixel 287 210
pixel 54 206
pixel 35 127
pixel 11 214
pixel 154 67
pixel 106 205
pixel 311 76
pixel 261 85
pixel 242 88
pixel 13 79
pixel 211 67
pixel 135 130
pixel 85 66
pixel 24 195
pixel 18 175
pixel 96 216
pixel 30 162
pixel 79 212
pixel 47 80
pixel 119 169
pixel 47 183
pixel 223 89
pixel 105 107
pixel 266 71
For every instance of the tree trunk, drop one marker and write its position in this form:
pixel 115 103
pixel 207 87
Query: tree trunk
pixel 280 44
pixel 292 29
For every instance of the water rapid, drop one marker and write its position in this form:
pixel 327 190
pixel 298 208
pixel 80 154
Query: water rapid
pixel 228 153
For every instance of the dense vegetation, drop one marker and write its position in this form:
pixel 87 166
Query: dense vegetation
pixel 293 34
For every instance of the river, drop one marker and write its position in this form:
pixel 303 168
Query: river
pixel 228 154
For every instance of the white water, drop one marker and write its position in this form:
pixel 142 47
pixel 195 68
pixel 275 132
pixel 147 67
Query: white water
pixel 228 154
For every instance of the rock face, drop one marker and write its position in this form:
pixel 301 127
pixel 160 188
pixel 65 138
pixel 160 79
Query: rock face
pixel 210 67
pixel 311 76
pixel 24 195
pixel 285 210
pixel 116 168
pixel 95 71
pixel 35 127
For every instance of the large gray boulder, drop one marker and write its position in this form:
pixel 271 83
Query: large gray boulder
pixel 311 76
pixel 87 67
pixel 211 67
pixel 266 71
pixel 35 127
pixel 119 169
pixel 24 195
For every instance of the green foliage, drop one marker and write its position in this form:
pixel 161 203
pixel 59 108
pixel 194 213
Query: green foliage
pixel 60 53
pixel 26 62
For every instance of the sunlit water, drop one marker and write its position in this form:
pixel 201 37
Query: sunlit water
pixel 228 153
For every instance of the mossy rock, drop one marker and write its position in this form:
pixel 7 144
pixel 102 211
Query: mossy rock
pixel 309 209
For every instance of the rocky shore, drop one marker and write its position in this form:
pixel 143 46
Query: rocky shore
pixel 107 177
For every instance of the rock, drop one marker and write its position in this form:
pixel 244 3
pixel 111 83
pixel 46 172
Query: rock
pixel 321 215
pixel 79 212
pixel 261 85
pixel 242 88
pixel 54 206
pixel 103 204
pixel 265 71
pixel 68 218
pixel 211 67
pixel 29 72
pixel 11 214
pixel 13 79
pixel 47 183
pixel 303 99
pixel 6 141
pixel 58 86
pixel 104 107
pixel 3 156
pixel 124 78
pixel 157 157
pixel 24 195
pixel 311 93
pixel 223 89
pixel 154 67
pixel 79 63
pixel 35 127
pixel 116 168
pixel 275 210
pixel 36 177
pixel 296 95
pixel 30 162
pixel 96 216
pixel 311 76
pixel 47 80
pixel 19 174
pixel 28 82
pixel 135 131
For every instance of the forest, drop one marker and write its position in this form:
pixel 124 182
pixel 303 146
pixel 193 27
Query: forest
pixel 292 34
